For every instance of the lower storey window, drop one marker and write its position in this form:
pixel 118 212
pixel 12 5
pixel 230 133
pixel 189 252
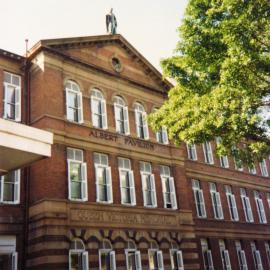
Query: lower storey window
pixel 8 254
pixel 155 260
pixel 107 260
pixel 133 259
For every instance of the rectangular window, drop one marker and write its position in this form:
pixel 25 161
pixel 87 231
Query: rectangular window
pixel 168 188
pixel 78 260
pixel 260 207
pixel 207 255
pixel 208 155
pixel 224 162
pixel 192 153
pixel 162 136
pixel 128 195
pixel 8 254
pixel 241 256
pixel 77 175
pixel 199 199
pixel 246 205
pixel 216 201
pixel 103 178
pixel 133 259
pixel 225 257
pixel 256 256
pixel 177 259
pixel 148 185
pixel 12 97
pixel 107 259
pixel 231 203
pixel 155 259
pixel 10 187
pixel 263 167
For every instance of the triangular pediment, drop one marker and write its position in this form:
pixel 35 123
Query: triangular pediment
pixel 99 52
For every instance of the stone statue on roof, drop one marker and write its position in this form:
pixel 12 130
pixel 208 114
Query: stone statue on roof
pixel 111 23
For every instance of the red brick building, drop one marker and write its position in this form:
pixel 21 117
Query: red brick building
pixel 114 194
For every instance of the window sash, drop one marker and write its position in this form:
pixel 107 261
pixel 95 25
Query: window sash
pixel 192 153
pixel 99 112
pixel 10 188
pixel 74 113
pixel 105 185
pixel 232 206
pixel 260 210
pixel 199 202
pixel 149 190
pixel 137 259
pixel 16 105
pixel 208 260
pixel 263 167
pixel 216 203
pixel 162 136
pixel 247 208
pixel 169 194
pixel 208 155
pixel 121 119
pixel 226 259
pixel 127 176
pixel 242 260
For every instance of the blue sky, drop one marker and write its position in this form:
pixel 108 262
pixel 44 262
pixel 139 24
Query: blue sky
pixel 149 25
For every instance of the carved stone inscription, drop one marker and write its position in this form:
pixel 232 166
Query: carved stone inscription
pixel 108 136
pixel 116 218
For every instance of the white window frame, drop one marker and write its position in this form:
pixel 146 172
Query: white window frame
pixel 17 189
pixel 131 189
pixel 108 179
pixel 191 150
pixel 82 253
pixel 207 255
pixel 199 199
pixel 246 206
pixel 165 176
pixel 112 256
pixel 72 87
pixel 241 255
pixel 141 122
pixel 224 162
pixel 216 201
pixel 263 168
pixel 208 154
pixel 97 96
pixel 225 256
pixel 137 254
pixel 252 169
pixel 8 247
pixel 256 256
pixel 83 174
pixel 260 207
pixel 179 256
pixel 231 203
pixel 17 89
pixel 159 254
pixel 119 104
pixel 145 188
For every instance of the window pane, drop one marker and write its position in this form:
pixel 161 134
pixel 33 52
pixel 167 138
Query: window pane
pixel 75 171
pixel 76 261
pixel 6 261
pixel 105 261
pixel 131 260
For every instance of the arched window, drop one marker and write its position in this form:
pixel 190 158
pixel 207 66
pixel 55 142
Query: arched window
pixel 98 107
pixel 107 256
pixel 121 116
pixel 133 256
pixel 155 257
pixel 161 134
pixel 78 257
pixel 74 103
pixel 176 257
pixel 141 123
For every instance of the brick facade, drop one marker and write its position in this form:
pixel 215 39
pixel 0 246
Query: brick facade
pixel 53 221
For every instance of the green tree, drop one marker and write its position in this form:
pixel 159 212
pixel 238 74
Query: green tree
pixel 221 67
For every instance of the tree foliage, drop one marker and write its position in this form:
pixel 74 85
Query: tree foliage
pixel 222 71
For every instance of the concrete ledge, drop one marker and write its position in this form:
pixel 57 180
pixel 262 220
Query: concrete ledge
pixel 20 145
